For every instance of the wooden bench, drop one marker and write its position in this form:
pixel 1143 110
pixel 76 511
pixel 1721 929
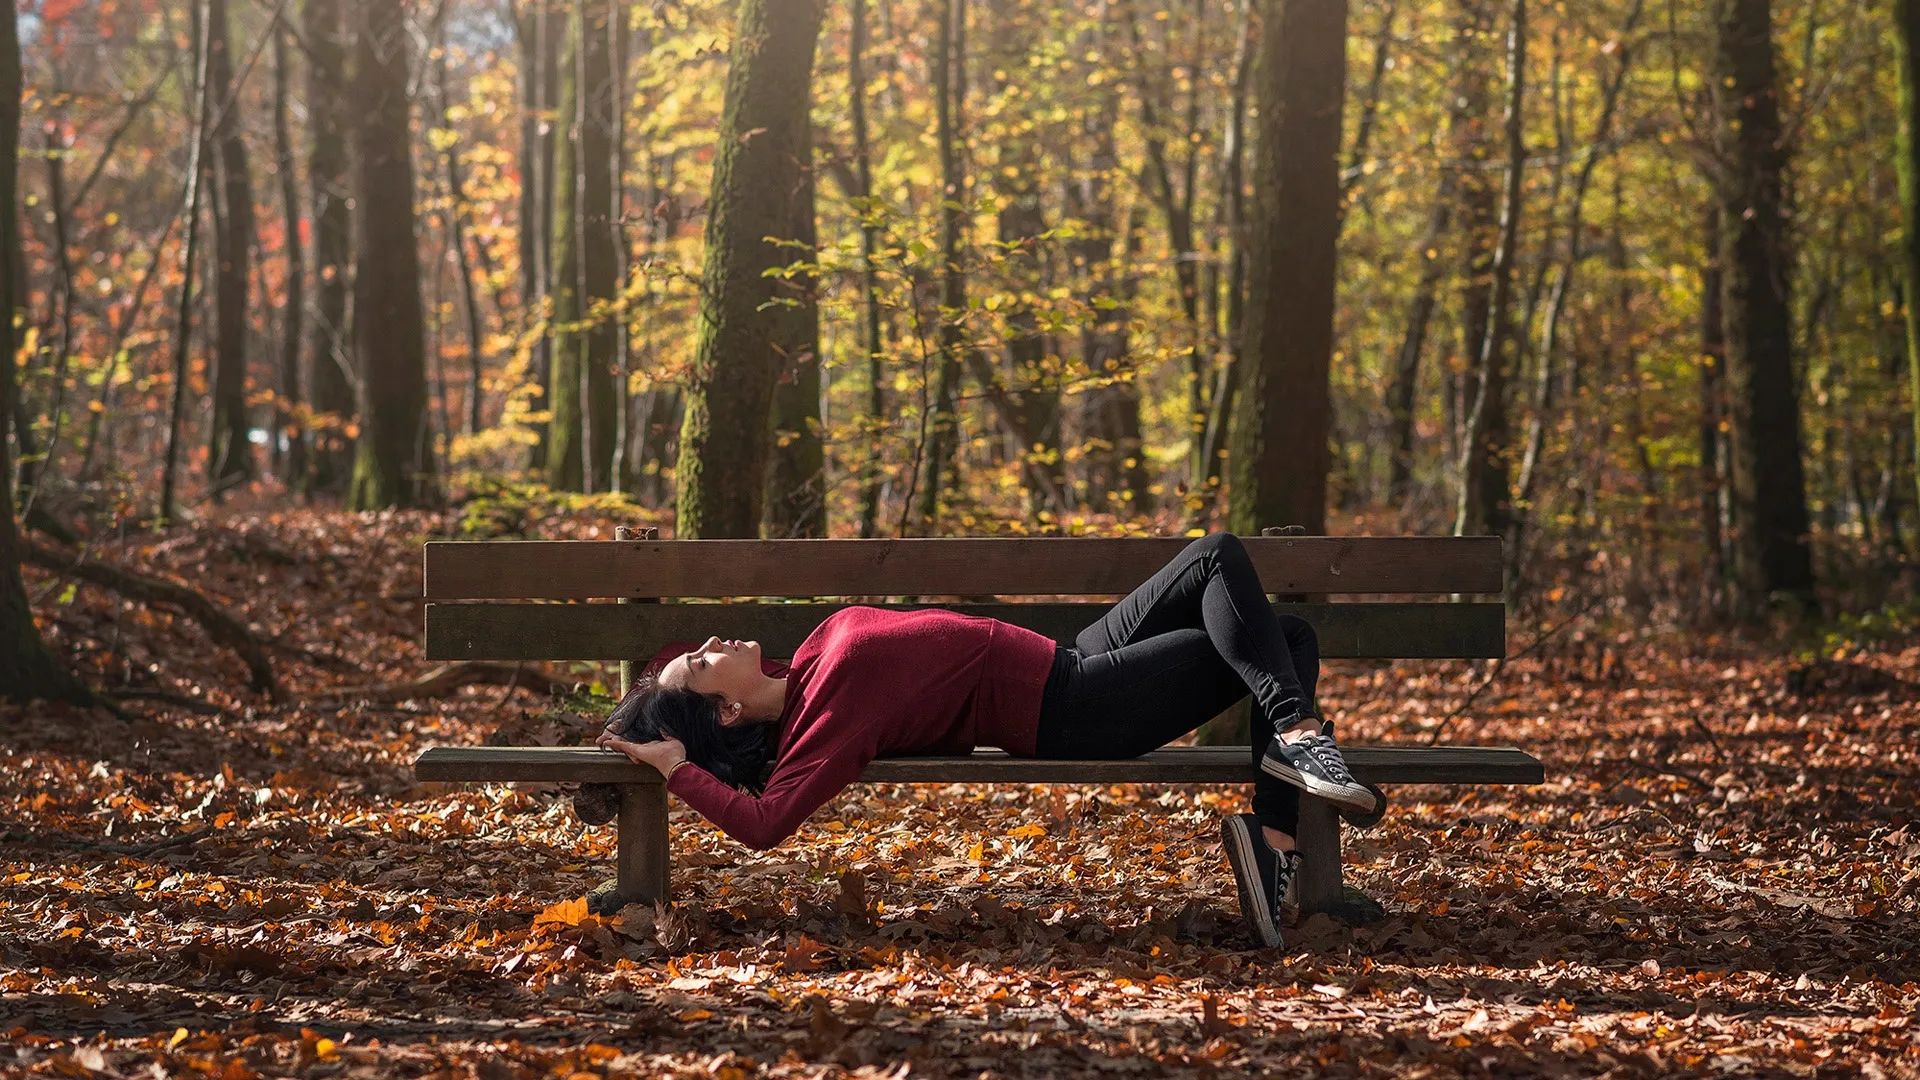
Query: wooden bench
pixel 466 619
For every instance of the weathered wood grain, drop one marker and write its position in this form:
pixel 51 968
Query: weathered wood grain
pixel 1068 566
pixel 626 632
pixel 1172 765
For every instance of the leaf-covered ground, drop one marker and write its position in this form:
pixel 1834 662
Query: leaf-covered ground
pixel 1719 878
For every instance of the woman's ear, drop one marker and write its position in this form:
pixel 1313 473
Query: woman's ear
pixel 731 712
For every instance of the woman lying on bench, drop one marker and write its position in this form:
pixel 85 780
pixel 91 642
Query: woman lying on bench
pixel 868 683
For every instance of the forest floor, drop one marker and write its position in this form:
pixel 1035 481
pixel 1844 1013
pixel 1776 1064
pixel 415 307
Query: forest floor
pixel 1721 876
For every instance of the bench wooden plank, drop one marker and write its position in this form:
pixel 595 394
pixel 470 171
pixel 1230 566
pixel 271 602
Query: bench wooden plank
pixel 1172 765
pixel 628 631
pixel 961 566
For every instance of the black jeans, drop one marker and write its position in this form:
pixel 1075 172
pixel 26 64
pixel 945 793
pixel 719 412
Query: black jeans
pixel 1186 645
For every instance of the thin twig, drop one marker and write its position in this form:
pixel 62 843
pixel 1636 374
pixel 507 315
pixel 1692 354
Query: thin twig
pixel 1500 665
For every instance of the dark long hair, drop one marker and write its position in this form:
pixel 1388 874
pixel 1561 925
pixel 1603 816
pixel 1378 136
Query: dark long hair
pixel 740 757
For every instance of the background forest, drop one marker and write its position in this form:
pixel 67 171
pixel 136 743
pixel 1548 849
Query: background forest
pixel 1621 280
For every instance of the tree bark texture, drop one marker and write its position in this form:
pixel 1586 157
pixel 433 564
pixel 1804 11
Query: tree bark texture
pixel 1771 551
pixel 871 341
pixel 391 467
pixel 328 183
pixel 1906 24
pixel 939 462
pixel 28 670
pixel 230 455
pixel 293 327
pixel 580 439
pixel 1486 497
pixel 1021 222
pixel 1279 453
pixel 748 326
pixel 540 24
pixel 796 504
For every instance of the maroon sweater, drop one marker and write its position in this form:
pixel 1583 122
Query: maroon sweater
pixel 871 683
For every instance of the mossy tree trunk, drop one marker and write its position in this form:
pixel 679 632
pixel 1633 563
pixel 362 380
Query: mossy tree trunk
pixel 27 669
pixel 1278 457
pixel 391 467
pixel 580 437
pixel 328 183
pixel 748 326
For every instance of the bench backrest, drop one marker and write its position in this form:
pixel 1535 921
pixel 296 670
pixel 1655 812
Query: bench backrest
pixel 547 582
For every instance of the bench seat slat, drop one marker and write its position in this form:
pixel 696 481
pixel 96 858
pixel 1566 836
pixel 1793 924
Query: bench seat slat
pixel 632 631
pixel 1172 765
pixel 960 566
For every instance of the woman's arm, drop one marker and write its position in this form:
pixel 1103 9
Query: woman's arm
pixel 803 781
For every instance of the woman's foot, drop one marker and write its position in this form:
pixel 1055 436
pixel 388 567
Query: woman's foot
pixel 1265 876
pixel 1309 760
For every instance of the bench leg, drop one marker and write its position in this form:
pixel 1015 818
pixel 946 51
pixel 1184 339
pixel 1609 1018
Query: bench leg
pixel 1319 844
pixel 641 859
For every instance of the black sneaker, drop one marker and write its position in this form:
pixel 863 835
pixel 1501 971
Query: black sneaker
pixel 1314 765
pixel 1265 876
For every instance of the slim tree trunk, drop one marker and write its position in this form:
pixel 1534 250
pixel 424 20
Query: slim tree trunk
pixel 183 321
pixel 230 456
pixel 1479 208
pixel 1280 456
pixel 293 330
pixel 871 342
pixel 581 435
pixel 329 355
pixel 28 670
pixel 1021 223
pixel 540 26
pixel 1772 554
pixel 1906 24
pixel 796 503
pixel 1233 209
pixel 392 464
pixel 747 330
pixel 1406 367
pixel 950 93
pixel 455 223
pixel 1486 497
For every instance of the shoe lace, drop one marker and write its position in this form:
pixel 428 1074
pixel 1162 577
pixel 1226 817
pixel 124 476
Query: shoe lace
pixel 1327 754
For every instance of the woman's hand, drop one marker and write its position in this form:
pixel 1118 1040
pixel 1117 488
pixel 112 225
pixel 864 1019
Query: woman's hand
pixel 662 754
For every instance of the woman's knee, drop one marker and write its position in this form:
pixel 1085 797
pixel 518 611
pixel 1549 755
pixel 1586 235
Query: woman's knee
pixel 1219 543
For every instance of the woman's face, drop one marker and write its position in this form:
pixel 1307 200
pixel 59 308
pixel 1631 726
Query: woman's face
pixel 728 668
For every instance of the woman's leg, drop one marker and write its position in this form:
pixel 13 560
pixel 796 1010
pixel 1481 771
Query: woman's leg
pixel 1142 695
pixel 1212 586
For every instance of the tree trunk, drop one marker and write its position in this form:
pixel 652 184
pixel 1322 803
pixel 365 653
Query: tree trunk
pixel 230 455
pixel 28 670
pixel 540 26
pixel 877 419
pixel 1771 552
pixel 580 438
pixel 1713 409
pixel 183 312
pixel 455 221
pixel 1486 496
pixel 329 357
pixel 747 328
pixel 938 465
pixel 1906 24
pixel 1280 457
pixel 1021 222
pixel 1233 210
pixel 796 504
pixel 293 330
pixel 1406 367
pixel 391 467
pixel 1479 206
